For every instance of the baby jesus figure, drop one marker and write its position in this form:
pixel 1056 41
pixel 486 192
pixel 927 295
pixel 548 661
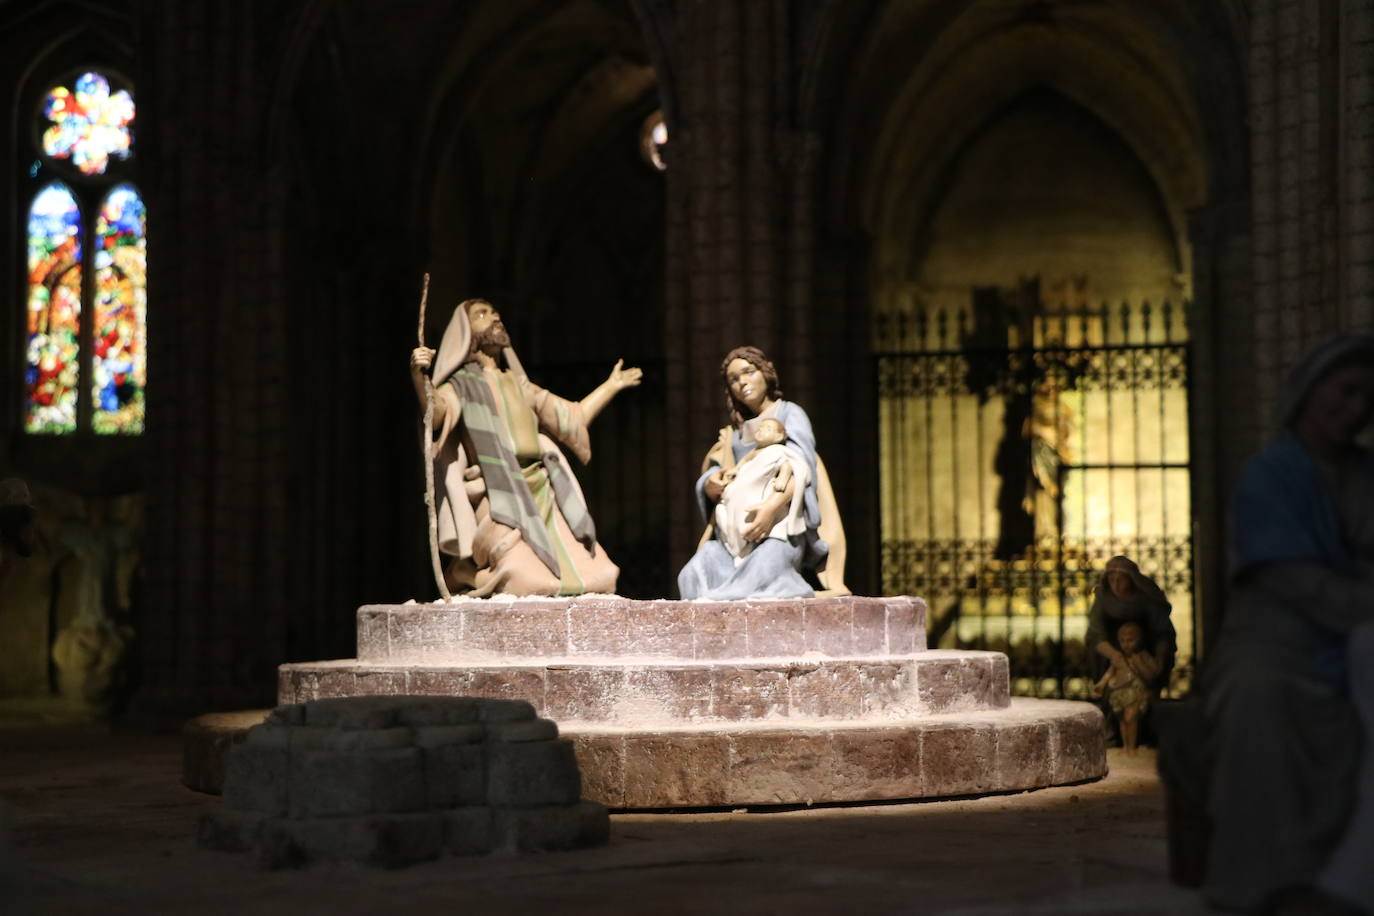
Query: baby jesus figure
pixel 1126 682
pixel 768 480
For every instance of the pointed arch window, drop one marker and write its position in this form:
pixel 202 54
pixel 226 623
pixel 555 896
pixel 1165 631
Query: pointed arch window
pixel 86 318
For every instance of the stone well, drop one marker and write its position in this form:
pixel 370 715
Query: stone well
pixel 704 703
pixel 395 780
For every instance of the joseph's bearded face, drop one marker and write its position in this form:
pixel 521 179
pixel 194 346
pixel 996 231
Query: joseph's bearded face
pixel 488 332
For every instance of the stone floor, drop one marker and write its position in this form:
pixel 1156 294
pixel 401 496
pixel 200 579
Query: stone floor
pixel 99 824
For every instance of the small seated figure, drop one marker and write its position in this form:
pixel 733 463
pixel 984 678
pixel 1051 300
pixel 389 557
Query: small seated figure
pixel 1127 682
pixel 757 490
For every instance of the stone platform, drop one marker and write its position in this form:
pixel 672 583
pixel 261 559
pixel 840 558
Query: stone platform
pixel 704 703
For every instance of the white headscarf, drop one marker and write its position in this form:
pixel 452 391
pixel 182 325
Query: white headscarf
pixel 456 347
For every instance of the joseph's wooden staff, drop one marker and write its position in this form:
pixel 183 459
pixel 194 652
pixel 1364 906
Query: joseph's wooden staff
pixel 427 451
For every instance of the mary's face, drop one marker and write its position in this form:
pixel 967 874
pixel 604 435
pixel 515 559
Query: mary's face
pixel 747 384
pixel 1120 583
pixel 1340 405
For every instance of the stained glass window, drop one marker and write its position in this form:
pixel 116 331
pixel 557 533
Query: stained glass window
pixel 118 357
pixel 87 304
pixel 89 124
pixel 54 311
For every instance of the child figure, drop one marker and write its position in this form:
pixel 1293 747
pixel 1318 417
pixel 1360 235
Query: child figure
pixel 1126 682
pixel 757 487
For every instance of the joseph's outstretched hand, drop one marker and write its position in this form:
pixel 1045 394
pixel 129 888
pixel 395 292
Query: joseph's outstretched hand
pixel 621 377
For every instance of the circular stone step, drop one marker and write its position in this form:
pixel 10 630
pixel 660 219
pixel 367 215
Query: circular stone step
pixel 505 630
pixel 652 695
pixel 1030 744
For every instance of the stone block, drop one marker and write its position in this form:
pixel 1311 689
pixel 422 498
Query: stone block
pixel 887 688
pixel 286 685
pixel 999 695
pixel 512 684
pixel 902 626
pixel 443 735
pixel 531 774
pixel 380 683
pixel 469 831
pixel 306 686
pixel 439 682
pixel 344 783
pixel 870 626
pixel 386 840
pixel 1079 746
pixel 780 768
pixel 596 626
pixel 776 629
pixel 601 760
pixel 265 735
pixel 664 693
pixel 455 774
pixel 405 634
pixel 975 682
pixel 352 712
pixel 442 635
pixel 374 642
pixel 286 715
pixel 1023 756
pixel 335 682
pixel 449 710
pixel 522 629
pixel 719 630
pixel 659 629
pixel 582 694
pixel 829 627
pixel 739 693
pixel 825 690
pixel 667 771
pixel 876 763
pixel 307 738
pixel 515 732
pixel 230 831
pixel 939 683
pixel 957 759
pixel 256 778
pixel 552 827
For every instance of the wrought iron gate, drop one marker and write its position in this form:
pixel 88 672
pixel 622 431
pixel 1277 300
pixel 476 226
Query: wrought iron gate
pixel 1020 451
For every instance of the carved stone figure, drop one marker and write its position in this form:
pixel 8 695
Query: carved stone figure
pixel 1127 682
pixel 1290 688
pixel 1125 594
pixel 511 516
pixel 781 564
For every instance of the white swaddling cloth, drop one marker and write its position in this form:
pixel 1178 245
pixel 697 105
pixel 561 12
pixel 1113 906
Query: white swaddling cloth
pixel 753 484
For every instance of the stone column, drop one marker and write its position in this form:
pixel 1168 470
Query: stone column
pixel 1310 70
pixel 744 263
pixel 1222 370
pixel 214 624
pixel 1357 162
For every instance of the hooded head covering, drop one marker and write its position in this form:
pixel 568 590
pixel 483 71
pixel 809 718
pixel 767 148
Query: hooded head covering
pixel 456 347
pixel 1315 365
pixel 1143 595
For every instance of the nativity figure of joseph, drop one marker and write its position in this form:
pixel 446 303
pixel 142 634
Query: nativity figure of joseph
pixel 511 516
